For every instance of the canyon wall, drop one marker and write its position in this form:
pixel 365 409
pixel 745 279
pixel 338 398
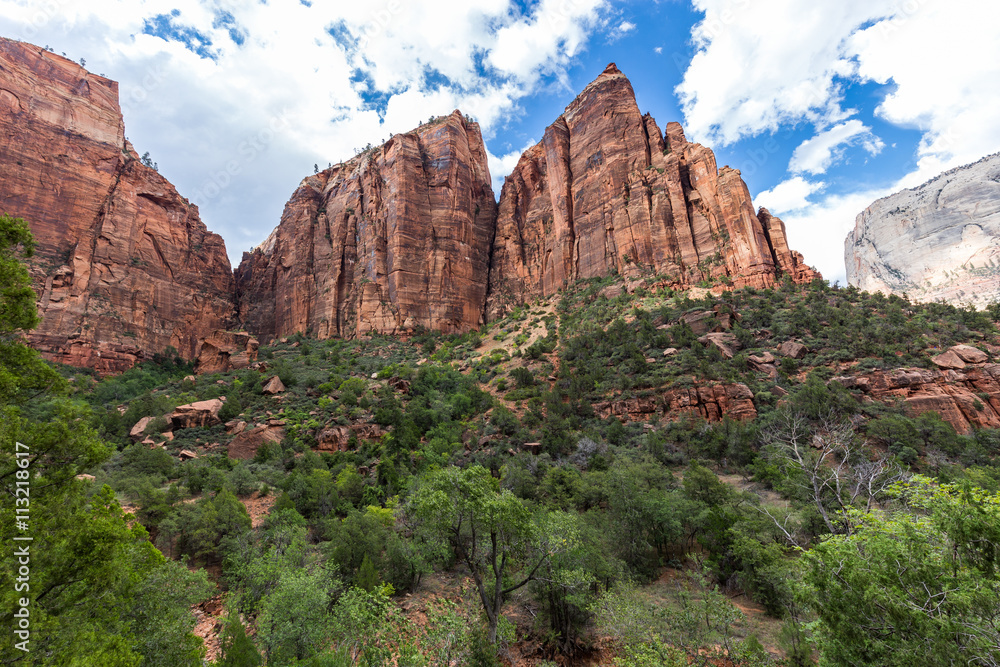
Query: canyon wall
pixel 938 241
pixel 124 267
pixel 606 191
pixel 394 240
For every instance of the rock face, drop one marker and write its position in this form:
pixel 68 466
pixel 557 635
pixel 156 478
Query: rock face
pixel 710 402
pixel 938 241
pixel 395 239
pixel 606 191
pixel 124 267
pixel 964 398
pixel 225 350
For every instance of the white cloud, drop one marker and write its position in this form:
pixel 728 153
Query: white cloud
pixel 771 63
pixel 658 50
pixel 818 231
pixel 816 155
pixel 790 195
pixel 626 26
pixel 309 84
pixel 502 165
pixel 762 64
pixel 943 60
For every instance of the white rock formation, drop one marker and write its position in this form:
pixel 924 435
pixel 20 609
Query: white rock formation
pixel 938 241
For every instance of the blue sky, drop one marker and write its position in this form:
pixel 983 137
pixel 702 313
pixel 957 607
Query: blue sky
pixel 824 105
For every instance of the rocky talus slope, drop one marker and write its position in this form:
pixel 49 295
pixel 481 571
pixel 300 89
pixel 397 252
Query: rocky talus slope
pixel 124 266
pixel 938 241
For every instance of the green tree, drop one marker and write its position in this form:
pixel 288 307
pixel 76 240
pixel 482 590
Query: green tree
pixel 294 621
pixel 98 592
pixel 489 529
pixel 918 585
pixel 23 374
pixel 237 649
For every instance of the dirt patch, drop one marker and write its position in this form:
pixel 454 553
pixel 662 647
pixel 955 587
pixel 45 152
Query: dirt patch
pixel 258 507
pixel 208 625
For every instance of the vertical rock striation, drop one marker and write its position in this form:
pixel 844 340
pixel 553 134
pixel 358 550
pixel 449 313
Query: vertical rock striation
pixel 938 241
pixel 124 267
pixel 396 239
pixel 605 191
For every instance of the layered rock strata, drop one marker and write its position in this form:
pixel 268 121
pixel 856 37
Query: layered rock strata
pixel 124 266
pixel 709 402
pixel 966 399
pixel 938 241
pixel 606 191
pixel 396 239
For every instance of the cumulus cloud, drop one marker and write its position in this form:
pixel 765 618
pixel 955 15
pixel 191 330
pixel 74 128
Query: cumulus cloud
pixel 943 62
pixel 790 195
pixel 760 65
pixel 502 165
pixel 815 155
pixel 818 231
pixel 769 64
pixel 237 101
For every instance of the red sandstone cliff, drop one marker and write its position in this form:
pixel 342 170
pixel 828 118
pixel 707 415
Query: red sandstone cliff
pixel 396 238
pixel 124 266
pixel 606 191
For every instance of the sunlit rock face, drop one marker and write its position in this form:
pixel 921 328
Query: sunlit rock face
pixel 396 239
pixel 605 191
pixel 938 241
pixel 124 267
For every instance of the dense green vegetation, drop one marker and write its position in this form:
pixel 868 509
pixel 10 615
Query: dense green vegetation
pixel 461 499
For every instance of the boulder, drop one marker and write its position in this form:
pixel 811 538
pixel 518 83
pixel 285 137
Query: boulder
pixel 702 322
pixel 245 445
pixel 335 438
pixel 793 349
pixel 200 413
pixel 725 343
pixel 765 358
pixel 273 386
pixel 969 354
pixel 235 427
pixel 138 430
pixel 949 359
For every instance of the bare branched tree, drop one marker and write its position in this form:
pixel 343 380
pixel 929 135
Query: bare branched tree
pixel 831 465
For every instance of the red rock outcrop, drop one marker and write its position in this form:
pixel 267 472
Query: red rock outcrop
pixel 606 191
pixel 225 350
pixel 710 402
pixel 199 413
pixel 964 398
pixel 124 267
pixel 395 239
